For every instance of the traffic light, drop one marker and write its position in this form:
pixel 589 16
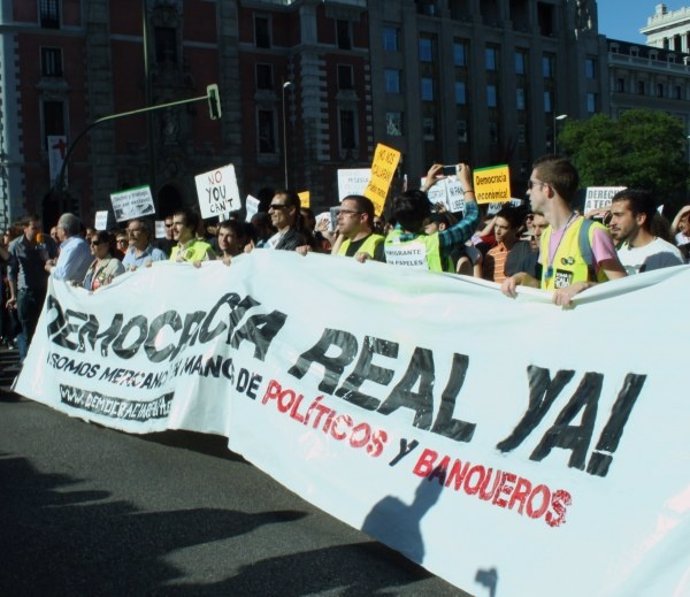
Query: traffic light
pixel 213 97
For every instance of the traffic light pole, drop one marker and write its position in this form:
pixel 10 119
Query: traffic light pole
pixel 212 96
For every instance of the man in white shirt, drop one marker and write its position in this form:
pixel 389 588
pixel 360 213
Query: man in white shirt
pixel 632 212
pixel 75 255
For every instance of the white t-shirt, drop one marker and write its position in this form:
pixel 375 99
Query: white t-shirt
pixel 654 255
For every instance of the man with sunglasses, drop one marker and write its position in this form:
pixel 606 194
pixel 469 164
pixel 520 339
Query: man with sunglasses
pixel 574 253
pixel 355 227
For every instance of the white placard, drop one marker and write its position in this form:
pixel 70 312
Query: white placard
pixel 352 181
pixel 252 207
pixel 217 192
pixel 132 203
pixel 101 220
pixel 599 197
pixel 447 191
pixel 160 229
pixel 494 208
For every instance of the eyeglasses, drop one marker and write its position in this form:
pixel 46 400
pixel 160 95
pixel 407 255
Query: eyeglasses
pixel 95 243
pixel 531 183
pixel 277 206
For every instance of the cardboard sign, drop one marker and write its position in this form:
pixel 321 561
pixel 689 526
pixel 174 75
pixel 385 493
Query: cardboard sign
pixel 217 192
pixel 160 229
pixel 352 181
pixel 304 199
pixel 599 197
pixel 132 203
pixel 382 170
pixel 492 184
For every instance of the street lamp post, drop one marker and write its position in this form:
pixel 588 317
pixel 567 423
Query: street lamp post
pixel 286 84
pixel 555 130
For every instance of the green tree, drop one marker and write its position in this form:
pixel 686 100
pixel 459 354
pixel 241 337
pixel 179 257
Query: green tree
pixel 642 149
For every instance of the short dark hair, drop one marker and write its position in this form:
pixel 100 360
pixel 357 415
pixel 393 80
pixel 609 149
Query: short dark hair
pixel 410 209
pixel 560 174
pixel 191 218
pixel 364 205
pixel 513 215
pixel 640 202
pixel 146 227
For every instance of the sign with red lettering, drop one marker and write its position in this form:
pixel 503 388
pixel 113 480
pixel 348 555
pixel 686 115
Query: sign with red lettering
pixel 217 192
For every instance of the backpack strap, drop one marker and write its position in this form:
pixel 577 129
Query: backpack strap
pixel 586 247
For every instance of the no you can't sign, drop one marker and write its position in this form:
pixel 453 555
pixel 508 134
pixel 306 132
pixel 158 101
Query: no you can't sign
pixel 217 191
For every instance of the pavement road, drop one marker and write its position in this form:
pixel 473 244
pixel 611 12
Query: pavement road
pixel 86 510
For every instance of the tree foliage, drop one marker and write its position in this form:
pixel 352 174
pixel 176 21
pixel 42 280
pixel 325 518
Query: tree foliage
pixel 642 149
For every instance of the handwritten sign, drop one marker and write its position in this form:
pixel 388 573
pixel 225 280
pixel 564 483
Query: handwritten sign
pixel 132 203
pixel 352 181
pixel 217 191
pixel 251 206
pixel 492 184
pixel 382 170
pixel 447 191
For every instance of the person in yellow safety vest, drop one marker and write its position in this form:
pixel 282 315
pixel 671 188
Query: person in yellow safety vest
pixel 574 253
pixel 356 237
pixel 189 248
pixel 408 245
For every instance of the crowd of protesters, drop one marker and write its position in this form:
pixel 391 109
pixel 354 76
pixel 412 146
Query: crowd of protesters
pixel 544 244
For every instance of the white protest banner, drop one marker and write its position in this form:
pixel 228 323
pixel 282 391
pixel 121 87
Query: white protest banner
pixel 217 192
pixel 101 220
pixel 57 149
pixel 251 207
pixel 132 203
pixel 413 420
pixel 352 181
pixel 599 197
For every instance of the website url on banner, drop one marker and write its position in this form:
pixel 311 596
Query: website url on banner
pixel 116 408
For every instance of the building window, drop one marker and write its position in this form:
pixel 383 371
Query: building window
pixel 660 90
pixel 520 102
pixel 591 103
pixel 460 53
pixel 51 62
pixel 521 134
pixel 348 132
pixel 391 41
pixel 491 96
pixel 426 49
pixel 460 93
pixel 50 14
pixel 428 128
pixel 344 34
pixel 427 86
pixel 53 119
pixel 345 78
pixel 166 45
pixel 262 32
pixel 547 66
pixel 640 88
pixel 590 68
pixel 461 130
pixel 620 85
pixel 394 126
pixel 678 92
pixel 264 76
pixel 391 78
pixel 493 133
pixel 548 102
pixel 266 123
pixel 520 62
pixel 491 57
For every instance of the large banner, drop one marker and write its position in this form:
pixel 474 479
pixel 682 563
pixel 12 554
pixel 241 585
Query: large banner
pixel 502 443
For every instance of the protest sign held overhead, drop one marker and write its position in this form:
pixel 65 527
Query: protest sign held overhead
pixel 382 170
pixel 217 192
pixel 132 203
pixel 352 181
pixel 492 184
pixel 304 199
pixel 101 220
pixel 599 197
